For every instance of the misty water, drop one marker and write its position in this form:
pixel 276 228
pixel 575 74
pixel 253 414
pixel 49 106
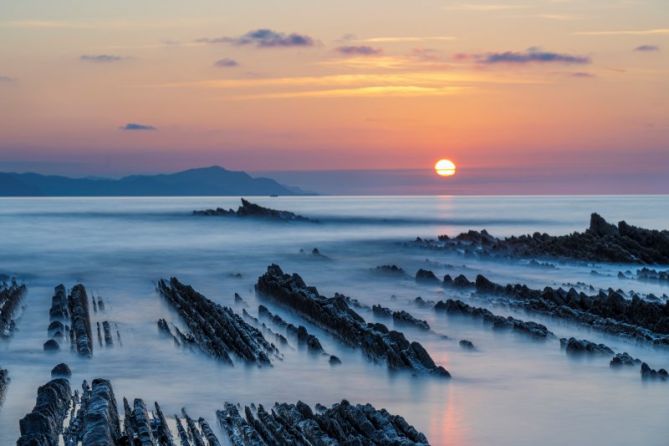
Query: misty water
pixel 511 391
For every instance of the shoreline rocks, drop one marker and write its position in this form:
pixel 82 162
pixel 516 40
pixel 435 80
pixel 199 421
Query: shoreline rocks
pixel 216 329
pixel 4 383
pixel 43 426
pixel 649 373
pixel 335 315
pixel 10 299
pixel 400 317
pixel 248 209
pixel 601 242
pixel 583 346
pixel 531 328
pixel 81 335
pixel 298 424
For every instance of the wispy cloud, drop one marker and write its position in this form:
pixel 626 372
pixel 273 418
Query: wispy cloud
pixel 106 24
pixel 532 55
pixel 647 48
pixel 264 38
pixel 226 63
pixel 100 58
pixel 485 7
pixel 360 50
pixel 6 79
pixel 582 75
pixel 628 32
pixel 372 91
pixel 405 39
pixel 133 126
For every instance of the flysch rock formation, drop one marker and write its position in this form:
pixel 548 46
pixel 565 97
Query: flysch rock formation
pixel 248 209
pixel 10 299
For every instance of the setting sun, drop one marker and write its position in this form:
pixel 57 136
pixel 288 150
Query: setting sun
pixel 445 168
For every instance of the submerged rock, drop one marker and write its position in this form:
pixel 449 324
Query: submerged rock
pixel 10 300
pixel 248 209
pixel 426 276
pixel 335 315
pixel 623 359
pixel 467 344
pixel 4 382
pixel 649 373
pixel 392 270
pixel 531 328
pixel 601 242
pixel 580 346
pixel 216 329
pixel 297 424
pixel 62 370
pixel 81 333
pixel 43 426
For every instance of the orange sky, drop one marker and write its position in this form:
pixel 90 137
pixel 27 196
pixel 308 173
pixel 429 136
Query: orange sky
pixel 344 85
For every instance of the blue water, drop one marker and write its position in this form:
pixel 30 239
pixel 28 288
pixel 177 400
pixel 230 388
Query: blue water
pixel 511 391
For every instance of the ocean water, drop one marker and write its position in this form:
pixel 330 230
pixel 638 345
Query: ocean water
pixel 510 391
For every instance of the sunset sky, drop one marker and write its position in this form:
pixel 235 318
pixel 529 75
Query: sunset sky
pixel 110 88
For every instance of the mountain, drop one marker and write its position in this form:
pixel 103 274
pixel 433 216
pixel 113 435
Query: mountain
pixel 207 181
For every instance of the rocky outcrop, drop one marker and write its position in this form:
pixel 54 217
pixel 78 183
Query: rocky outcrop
pixel 216 329
pixel 298 424
pixel 608 310
pixel 43 426
pixel 390 270
pixel 62 370
pixel 583 346
pixel 81 335
pixel 601 242
pixel 10 300
pixel 303 336
pixel 623 359
pixel 426 276
pixel 652 274
pixel 400 317
pixel 649 373
pixel 456 307
pixel 248 209
pixel 4 382
pixel 335 315
pixel 466 344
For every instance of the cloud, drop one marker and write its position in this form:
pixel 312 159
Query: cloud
pixel 100 58
pixel 532 55
pixel 629 32
pixel 6 79
pixel 361 50
pixel 647 48
pixel 265 38
pixel 226 63
pixel 133 126
pixel 405 39
pixel 485 7
pixel 582 75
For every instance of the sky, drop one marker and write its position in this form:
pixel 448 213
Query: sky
pixel 567 93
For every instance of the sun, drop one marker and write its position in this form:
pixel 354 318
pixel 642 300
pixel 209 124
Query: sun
pixel 445 168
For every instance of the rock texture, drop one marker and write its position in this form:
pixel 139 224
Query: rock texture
pixel 583 346
pixel 623 359
pixel 335 315
pixel 10 299
pixel 216 329
pixel 43 426
pixel 4 382
pixel 298 424
pixel 303 336
pixel 248 209
pixel 608 310
pixel 400 317
pixel 649 373
pixel 533 329
pixel 601 242
pixel 81 335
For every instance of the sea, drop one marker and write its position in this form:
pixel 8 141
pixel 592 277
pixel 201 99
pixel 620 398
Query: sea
pixel 510 391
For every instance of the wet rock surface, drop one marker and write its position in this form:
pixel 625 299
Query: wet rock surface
pixel 43 426
pixel 400 317
pixel 11 296
pixel 601 242
pixel 609 310
pixel 4 383
pixel 216 329
pixel 391 270
pixel 298 424
pixel 649 373
pixel 62 370
pixel 248 209
pixel 623 359
pixel 81 335
pixel 652 274
pixel 583 346
pixel 335 315
pixel 531 328
pixel 301 333
pixel 467 344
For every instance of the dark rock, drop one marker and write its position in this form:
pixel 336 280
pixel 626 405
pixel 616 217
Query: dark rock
pixel 51 346
pixel 43 426
pixel 248 209
pixel 62 370
pixel 297 424
pixel 580 346
pixel 10 299
pixel 217 330
pixel 534 329
pixel 392 270
pixel 82 336
pixel 623 359
pixel 427 276
pixel 466 344
pixel 4 382
pixel 601 242
pixel 335 315
pixel 334 360
pixel 649 373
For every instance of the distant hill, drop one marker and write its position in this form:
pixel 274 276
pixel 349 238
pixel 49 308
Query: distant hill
pixel 205 181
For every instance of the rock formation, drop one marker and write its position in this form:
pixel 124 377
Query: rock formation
pixel 335 315
pixel 10 299
pixel 248 209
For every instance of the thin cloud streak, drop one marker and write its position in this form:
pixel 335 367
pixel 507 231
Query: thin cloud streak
pixel 629 32
pixel 407 39
pixel 485 7
pixel 370 91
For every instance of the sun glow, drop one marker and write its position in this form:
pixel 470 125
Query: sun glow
pixel 445 168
